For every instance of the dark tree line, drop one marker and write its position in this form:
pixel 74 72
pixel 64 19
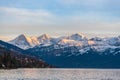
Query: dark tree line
pixel 8 61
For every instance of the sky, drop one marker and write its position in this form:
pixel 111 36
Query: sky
pixel 59 17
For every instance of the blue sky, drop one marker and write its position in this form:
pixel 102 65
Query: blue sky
pixel 59 17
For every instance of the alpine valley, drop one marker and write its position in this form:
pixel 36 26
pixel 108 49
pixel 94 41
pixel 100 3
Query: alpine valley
pixel 73 51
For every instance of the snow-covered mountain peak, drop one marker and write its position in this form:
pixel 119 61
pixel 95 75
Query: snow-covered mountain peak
pixel 77 36
pixel 44 36
pixel 21 41
pixel 24 41
pixel 114 41
pixel 22 36
pixel 45 40
pixel 77 39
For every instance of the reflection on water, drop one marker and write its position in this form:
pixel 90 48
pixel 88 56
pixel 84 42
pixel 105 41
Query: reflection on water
pixel 60 74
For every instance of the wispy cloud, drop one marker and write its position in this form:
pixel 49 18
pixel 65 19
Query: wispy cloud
pixel 46 18
pixel 25 14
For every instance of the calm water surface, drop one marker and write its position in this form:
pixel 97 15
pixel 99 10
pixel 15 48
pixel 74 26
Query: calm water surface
pixel 60 74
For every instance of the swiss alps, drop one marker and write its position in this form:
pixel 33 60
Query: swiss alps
pixel 77 40
pixel 73 51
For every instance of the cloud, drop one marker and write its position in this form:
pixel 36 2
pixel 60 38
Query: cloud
pixel 26 15
pixel 25 12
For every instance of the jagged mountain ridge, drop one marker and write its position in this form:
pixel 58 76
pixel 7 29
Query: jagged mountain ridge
pixel 26 42
pixel 79 40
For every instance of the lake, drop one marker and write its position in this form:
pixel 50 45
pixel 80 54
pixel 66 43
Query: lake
pixel 60 74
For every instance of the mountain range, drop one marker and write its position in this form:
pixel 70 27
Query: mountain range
pixel 78 40
pixel 72 51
